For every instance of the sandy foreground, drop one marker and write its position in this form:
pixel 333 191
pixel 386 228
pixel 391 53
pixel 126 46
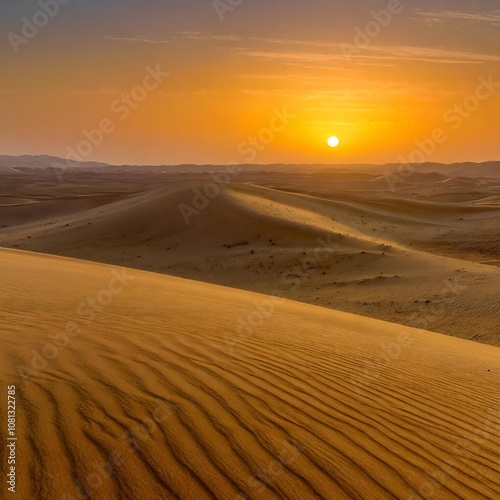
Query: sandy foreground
pixel 131 384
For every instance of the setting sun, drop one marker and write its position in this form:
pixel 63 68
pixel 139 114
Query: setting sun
pixel 333 141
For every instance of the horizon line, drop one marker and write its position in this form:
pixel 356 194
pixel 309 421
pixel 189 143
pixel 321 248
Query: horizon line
pixel 245 164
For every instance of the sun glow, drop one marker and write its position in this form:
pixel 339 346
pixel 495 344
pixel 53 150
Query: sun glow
pixel 333 141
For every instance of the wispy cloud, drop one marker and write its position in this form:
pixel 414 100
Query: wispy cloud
pixel 180 35
pixel 433 54
pixel 135 39
pixel 316 54
pixel 350 123
pixel 302 77
pixel 199 35
pixel 327 52
pixel 352 95
pixel 435 18
pixel 375 56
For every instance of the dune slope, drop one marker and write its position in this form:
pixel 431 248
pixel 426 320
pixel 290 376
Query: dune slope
pixel 343 250
pixel 137 385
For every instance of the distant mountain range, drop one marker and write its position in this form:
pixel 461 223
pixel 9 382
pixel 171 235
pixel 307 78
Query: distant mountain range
pixel 466 169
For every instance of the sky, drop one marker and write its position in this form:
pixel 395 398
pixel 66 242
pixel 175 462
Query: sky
pixel 251 81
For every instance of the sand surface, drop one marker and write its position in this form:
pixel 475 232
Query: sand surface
pixel 162 394
pixel 421 250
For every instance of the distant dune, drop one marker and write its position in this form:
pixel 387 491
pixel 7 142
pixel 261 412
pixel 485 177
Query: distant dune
pixel 490 169
pixel 138 384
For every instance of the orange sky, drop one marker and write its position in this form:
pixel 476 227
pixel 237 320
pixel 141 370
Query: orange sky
pixel 270 82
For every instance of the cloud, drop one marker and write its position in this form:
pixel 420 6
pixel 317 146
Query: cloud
pixel 199 35
pixel 433 54
pixel 351 123
pixel 328 56
pixel 374 55
pixel 435 18
pixel 135 39
pixel 316 54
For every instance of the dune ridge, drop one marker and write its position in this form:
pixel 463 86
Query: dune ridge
pixel 161 395
pixel 407 257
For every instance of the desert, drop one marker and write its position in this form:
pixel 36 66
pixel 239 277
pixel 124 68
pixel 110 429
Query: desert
pixel 297 338
pixel 249 250
pixel 422 252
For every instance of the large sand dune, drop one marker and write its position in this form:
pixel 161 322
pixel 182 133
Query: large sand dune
pixel 162 393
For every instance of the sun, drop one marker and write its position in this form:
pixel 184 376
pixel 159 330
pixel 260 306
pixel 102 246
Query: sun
pixel 333 141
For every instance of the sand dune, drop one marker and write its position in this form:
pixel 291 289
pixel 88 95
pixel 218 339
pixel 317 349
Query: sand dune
pixel 162 395
pixel 467 169
pixel 237 212
pixel 342 241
